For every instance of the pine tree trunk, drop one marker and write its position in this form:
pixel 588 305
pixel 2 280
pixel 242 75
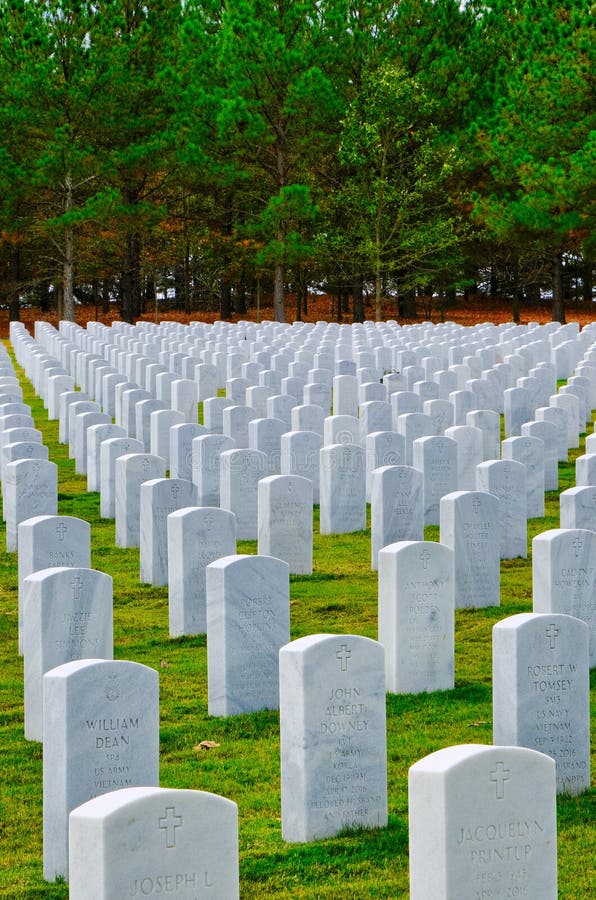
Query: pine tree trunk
pixel 358 297
pixel 130 282
pixel 558 303
pixel 407 305
pixel 225 303
pixel 378 297
pixel 68 260
pixel 516 303
pixel 68 276
pixel 240 297
pixel 105 297
pixel 279 313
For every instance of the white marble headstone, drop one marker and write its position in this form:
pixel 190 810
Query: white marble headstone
pixel 145 841
pixel 578 508
pixel 158 498
pixel 197 536
pixel 342 489
pixel 416 616
pixel 285 511
pixel 101 733
pixel 109 451
pixel 506 479
pixel 248 620
pixel 240 473
pixel 436 457
pixel 206 453
pixel 30 488
pixel 482 819
pixel 333 736
pixel 397 508
pixel 470 526
pixel 67 615
pixel 564 576
pixel 49 542
pixel 131 471
pixel 541 691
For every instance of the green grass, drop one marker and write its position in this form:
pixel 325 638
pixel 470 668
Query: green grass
pixel 341 596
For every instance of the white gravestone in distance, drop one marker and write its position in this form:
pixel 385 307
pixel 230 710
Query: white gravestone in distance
pixel 101 733
pixel 341 429
pixel 585 470
pixel 436 458
pixel 333 736
pixel 564 576
pixel 529 451
pixel 383 448
pixel 541 692
pixel 47 542
pixel 240 473
pixel 559 418
pixel 158 498
pixel 160 422
pixel 206 461
pixel 145 841
pixel 416 616
pixel 470 527
pixel 483 819
pixel 469 454
pixel 285 509
pixel 248 620
pixel 109 451
pixel 547 433
pixel 181 438
pixel 578 508
pixel 300 455
pixel 506 479
pixel 30 489
pixel 342 489
pixel 132 470
pixel 21 450
pixel 82 423
pixel 196 537
pixel 265 435
pixel 397 510
pixel 96 434
pixel 67 615
pixel 489 423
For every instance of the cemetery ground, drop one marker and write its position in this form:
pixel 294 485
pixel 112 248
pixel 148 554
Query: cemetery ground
pixel 238 757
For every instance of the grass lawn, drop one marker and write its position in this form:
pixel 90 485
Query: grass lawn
pixel 341 597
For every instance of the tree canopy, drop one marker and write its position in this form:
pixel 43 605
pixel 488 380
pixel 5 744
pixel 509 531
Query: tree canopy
pixel 221 148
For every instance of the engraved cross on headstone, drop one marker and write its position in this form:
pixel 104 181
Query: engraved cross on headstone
pixel 145 464
pixel 61 530
pixel 77 587
pixel 424 558
pixel 344 654
pixel 551 633
pixel 169 823
pixel 500 775
pixel 476 505
pixel 577 545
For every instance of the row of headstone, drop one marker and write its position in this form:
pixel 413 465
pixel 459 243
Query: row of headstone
pixel 28 478
pixel 65 619
pixel 509 519
pixel 394 394
pixel 433 487
pixel 347 808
